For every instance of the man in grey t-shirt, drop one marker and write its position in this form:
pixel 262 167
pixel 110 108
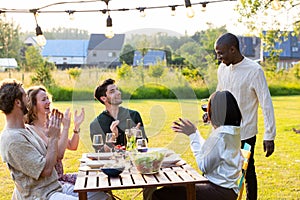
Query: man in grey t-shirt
pixel 30 162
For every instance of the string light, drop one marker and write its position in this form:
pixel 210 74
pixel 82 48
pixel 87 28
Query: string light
pixel 40 38
pixel 189 10
pixel 187 4
pixel 40 10
pixel 142 11
pixel 203 7
pixel 71 14
pixel 109 30
pixel 173 10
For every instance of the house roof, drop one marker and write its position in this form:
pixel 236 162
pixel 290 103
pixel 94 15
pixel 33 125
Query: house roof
pixel 247 45
pixel 8 62
pixel 100 42
pixel 290 47
pixel 151 57
pixel 65 48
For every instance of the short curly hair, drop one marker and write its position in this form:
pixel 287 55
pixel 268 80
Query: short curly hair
pixel 100 91
pixel 10 90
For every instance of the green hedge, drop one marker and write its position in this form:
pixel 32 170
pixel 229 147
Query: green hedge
pixel 156 92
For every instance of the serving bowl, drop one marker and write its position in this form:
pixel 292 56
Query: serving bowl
pixel 113 172
pixel 147 162
pixel 115 167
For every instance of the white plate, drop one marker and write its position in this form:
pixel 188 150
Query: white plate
pixel 97 163
pixel 87 168
pixel 172 159
pixel 167 152
pixel 101 156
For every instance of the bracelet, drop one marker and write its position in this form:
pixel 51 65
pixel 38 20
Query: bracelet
pixel 76 131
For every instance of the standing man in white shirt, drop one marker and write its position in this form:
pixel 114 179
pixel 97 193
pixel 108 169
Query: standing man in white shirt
pixel 245 79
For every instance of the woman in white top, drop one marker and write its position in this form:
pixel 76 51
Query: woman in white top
pixel 219 157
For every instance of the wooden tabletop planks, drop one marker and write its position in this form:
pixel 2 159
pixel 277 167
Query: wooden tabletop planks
pixel 179 174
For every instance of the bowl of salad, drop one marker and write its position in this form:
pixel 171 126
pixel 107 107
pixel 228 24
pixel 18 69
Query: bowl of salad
pixel 147 162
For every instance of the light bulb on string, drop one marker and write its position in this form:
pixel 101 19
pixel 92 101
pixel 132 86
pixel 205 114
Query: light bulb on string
pixel 189 10
pixel 203 9
pixel 142 12
pixel 109 30
pixel 276 5
pixel 173 10
pixel 40 38
pixel 71 14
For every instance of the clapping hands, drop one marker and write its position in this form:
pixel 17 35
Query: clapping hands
pixel 53 124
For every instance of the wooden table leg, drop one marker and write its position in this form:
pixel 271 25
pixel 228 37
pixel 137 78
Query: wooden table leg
pixel 82 195
pixel 190 191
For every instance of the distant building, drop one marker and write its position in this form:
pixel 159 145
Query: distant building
pixel 104 52
pixel 7 64
pixel 151 57
pixel 290 54
pixel 250 47
pixel 31 41
pixel 66 53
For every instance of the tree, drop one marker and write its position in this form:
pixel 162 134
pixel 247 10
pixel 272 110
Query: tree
pixel 43 75
pixel 207 38
pixel 127 54
pixel 33 58
pixel 10 43
pixel 67 34
pixel 157 71
pixel 262 15
pixel 42 68
pixel 168 51
pixel 124 72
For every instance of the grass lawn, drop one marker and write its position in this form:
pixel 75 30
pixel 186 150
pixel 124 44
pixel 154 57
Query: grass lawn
pixel 278 175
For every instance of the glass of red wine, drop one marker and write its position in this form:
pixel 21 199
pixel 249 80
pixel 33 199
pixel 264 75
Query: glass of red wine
pixel 204 107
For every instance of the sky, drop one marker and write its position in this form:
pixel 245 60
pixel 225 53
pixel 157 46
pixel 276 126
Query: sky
pixel 218 14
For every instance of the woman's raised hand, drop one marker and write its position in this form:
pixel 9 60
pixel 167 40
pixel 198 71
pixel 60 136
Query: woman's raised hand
pixel 184 126
pixel 78 119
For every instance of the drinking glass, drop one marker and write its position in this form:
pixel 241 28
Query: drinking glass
pixel 98 143
pixel 141 145
pixel 110 140
pixel 138 134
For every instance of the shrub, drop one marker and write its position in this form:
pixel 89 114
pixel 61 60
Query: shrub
pixel 43 75
pixel 74 73
pixel 124 72
pixel 156 71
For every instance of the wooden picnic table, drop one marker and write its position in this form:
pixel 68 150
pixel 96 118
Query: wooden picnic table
pixel 179 174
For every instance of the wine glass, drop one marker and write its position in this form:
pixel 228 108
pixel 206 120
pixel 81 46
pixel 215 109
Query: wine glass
pixel 98 142
pixel 204 107
pixel 110 140
pixel 138 134
pixel 141 145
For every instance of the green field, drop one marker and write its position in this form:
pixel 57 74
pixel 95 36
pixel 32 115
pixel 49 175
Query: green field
pixel 278 175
